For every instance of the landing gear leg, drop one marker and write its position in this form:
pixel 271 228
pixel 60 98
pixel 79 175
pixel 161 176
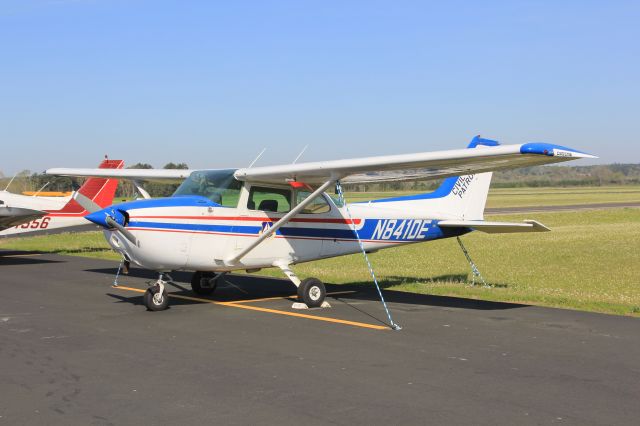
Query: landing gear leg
pixel 155 298
pixel 311 291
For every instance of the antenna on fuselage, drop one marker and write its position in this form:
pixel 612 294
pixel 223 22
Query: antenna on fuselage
pixel 300 155
pixel 10 182
pixel 257 158
pixel 40 190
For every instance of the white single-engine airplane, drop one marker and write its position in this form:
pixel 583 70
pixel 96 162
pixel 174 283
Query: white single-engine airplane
pixel 224 220
pixel 29 214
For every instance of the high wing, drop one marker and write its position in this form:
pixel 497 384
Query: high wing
pixel 14 216
pixel 133 174
pixel 426 165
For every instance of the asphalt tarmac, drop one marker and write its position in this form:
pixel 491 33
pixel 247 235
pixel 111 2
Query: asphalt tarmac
pixel 75 350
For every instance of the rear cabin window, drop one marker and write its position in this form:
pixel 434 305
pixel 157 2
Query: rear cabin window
pixel 269 199
pixel 319 205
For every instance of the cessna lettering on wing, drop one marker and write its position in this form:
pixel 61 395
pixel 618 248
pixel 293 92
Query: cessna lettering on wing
pixel 461 185
pixel 401 229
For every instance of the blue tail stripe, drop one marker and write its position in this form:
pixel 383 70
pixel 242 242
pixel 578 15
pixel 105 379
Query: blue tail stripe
pixel 443 190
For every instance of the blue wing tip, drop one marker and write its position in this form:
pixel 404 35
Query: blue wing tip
pixel 552 150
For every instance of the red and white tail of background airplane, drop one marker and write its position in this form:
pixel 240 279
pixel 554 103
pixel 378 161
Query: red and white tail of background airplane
pixel 48 215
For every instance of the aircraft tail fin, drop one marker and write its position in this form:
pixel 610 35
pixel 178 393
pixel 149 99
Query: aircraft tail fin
pixel 99 191
pixel 462 197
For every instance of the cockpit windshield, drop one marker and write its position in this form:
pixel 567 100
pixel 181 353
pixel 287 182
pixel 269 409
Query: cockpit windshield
pixel 217 185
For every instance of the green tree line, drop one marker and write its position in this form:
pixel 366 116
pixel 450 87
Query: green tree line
pixel 538 176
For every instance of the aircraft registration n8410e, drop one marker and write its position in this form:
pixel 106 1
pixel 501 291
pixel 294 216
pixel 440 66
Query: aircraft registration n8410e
pixel 278 216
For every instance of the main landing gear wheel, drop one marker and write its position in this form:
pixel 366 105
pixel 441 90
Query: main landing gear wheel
pixel 312 292
pixel 156 299
pixel 204 283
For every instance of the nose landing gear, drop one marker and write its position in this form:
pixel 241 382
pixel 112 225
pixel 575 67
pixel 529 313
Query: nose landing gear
pixel 155 298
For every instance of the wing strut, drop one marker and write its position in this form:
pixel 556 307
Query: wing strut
pixel 286 218
pixel 140 189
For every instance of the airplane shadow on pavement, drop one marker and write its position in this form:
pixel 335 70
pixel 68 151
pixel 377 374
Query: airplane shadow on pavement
pixel 13 258
pixel 246 287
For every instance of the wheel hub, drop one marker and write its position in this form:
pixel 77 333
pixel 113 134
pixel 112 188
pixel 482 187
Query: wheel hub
pixel 314 292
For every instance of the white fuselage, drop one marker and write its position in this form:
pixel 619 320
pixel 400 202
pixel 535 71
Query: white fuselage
pixel 33 202
pixel 205 238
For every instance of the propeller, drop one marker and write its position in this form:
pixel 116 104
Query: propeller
pixel 111 218
pixel 126 233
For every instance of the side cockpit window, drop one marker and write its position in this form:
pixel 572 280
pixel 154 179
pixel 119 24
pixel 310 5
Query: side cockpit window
pixel 274 200
pixel 319 205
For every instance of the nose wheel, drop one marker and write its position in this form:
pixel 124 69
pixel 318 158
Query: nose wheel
pixel 155 298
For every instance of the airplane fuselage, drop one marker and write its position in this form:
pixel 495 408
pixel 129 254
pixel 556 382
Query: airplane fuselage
pixel 201 236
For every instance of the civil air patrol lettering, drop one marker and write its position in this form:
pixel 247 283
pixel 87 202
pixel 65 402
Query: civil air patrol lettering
pixel 462 184
pixel 265 227
pixel 401 229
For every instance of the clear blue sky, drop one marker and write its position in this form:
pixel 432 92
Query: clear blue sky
pixel 211 83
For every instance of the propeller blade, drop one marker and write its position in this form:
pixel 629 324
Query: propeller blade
pixel 86 203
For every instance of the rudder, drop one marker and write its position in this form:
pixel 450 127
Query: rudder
pixel 99 190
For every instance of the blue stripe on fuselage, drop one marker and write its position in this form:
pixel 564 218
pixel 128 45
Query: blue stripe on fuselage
pixel 400 230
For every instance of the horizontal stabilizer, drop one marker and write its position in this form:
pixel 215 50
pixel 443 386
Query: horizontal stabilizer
pixel 495 227
pixel 14 216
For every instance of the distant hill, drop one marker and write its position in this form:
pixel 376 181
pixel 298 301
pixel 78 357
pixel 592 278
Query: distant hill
pixel 538 176
pixel 612 174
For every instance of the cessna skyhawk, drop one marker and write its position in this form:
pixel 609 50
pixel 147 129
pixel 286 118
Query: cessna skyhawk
pixel 278 216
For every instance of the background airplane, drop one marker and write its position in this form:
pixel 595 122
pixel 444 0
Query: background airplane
pixel 277 216
pixel 23 214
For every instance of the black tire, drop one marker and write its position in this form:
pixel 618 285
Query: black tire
pixel 196 283
pixel 150 301
pixel 311 291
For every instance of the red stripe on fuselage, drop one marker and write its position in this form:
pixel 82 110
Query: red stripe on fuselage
pixel 254 219
pixel 230 234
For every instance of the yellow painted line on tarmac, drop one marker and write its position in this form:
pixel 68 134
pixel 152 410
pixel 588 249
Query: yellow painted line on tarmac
pixel 139 290
pixel 313 317
pixel 21 255
pixel 271 311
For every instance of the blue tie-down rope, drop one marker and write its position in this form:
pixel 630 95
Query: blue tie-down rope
pixel 475 272
pixel 394 326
